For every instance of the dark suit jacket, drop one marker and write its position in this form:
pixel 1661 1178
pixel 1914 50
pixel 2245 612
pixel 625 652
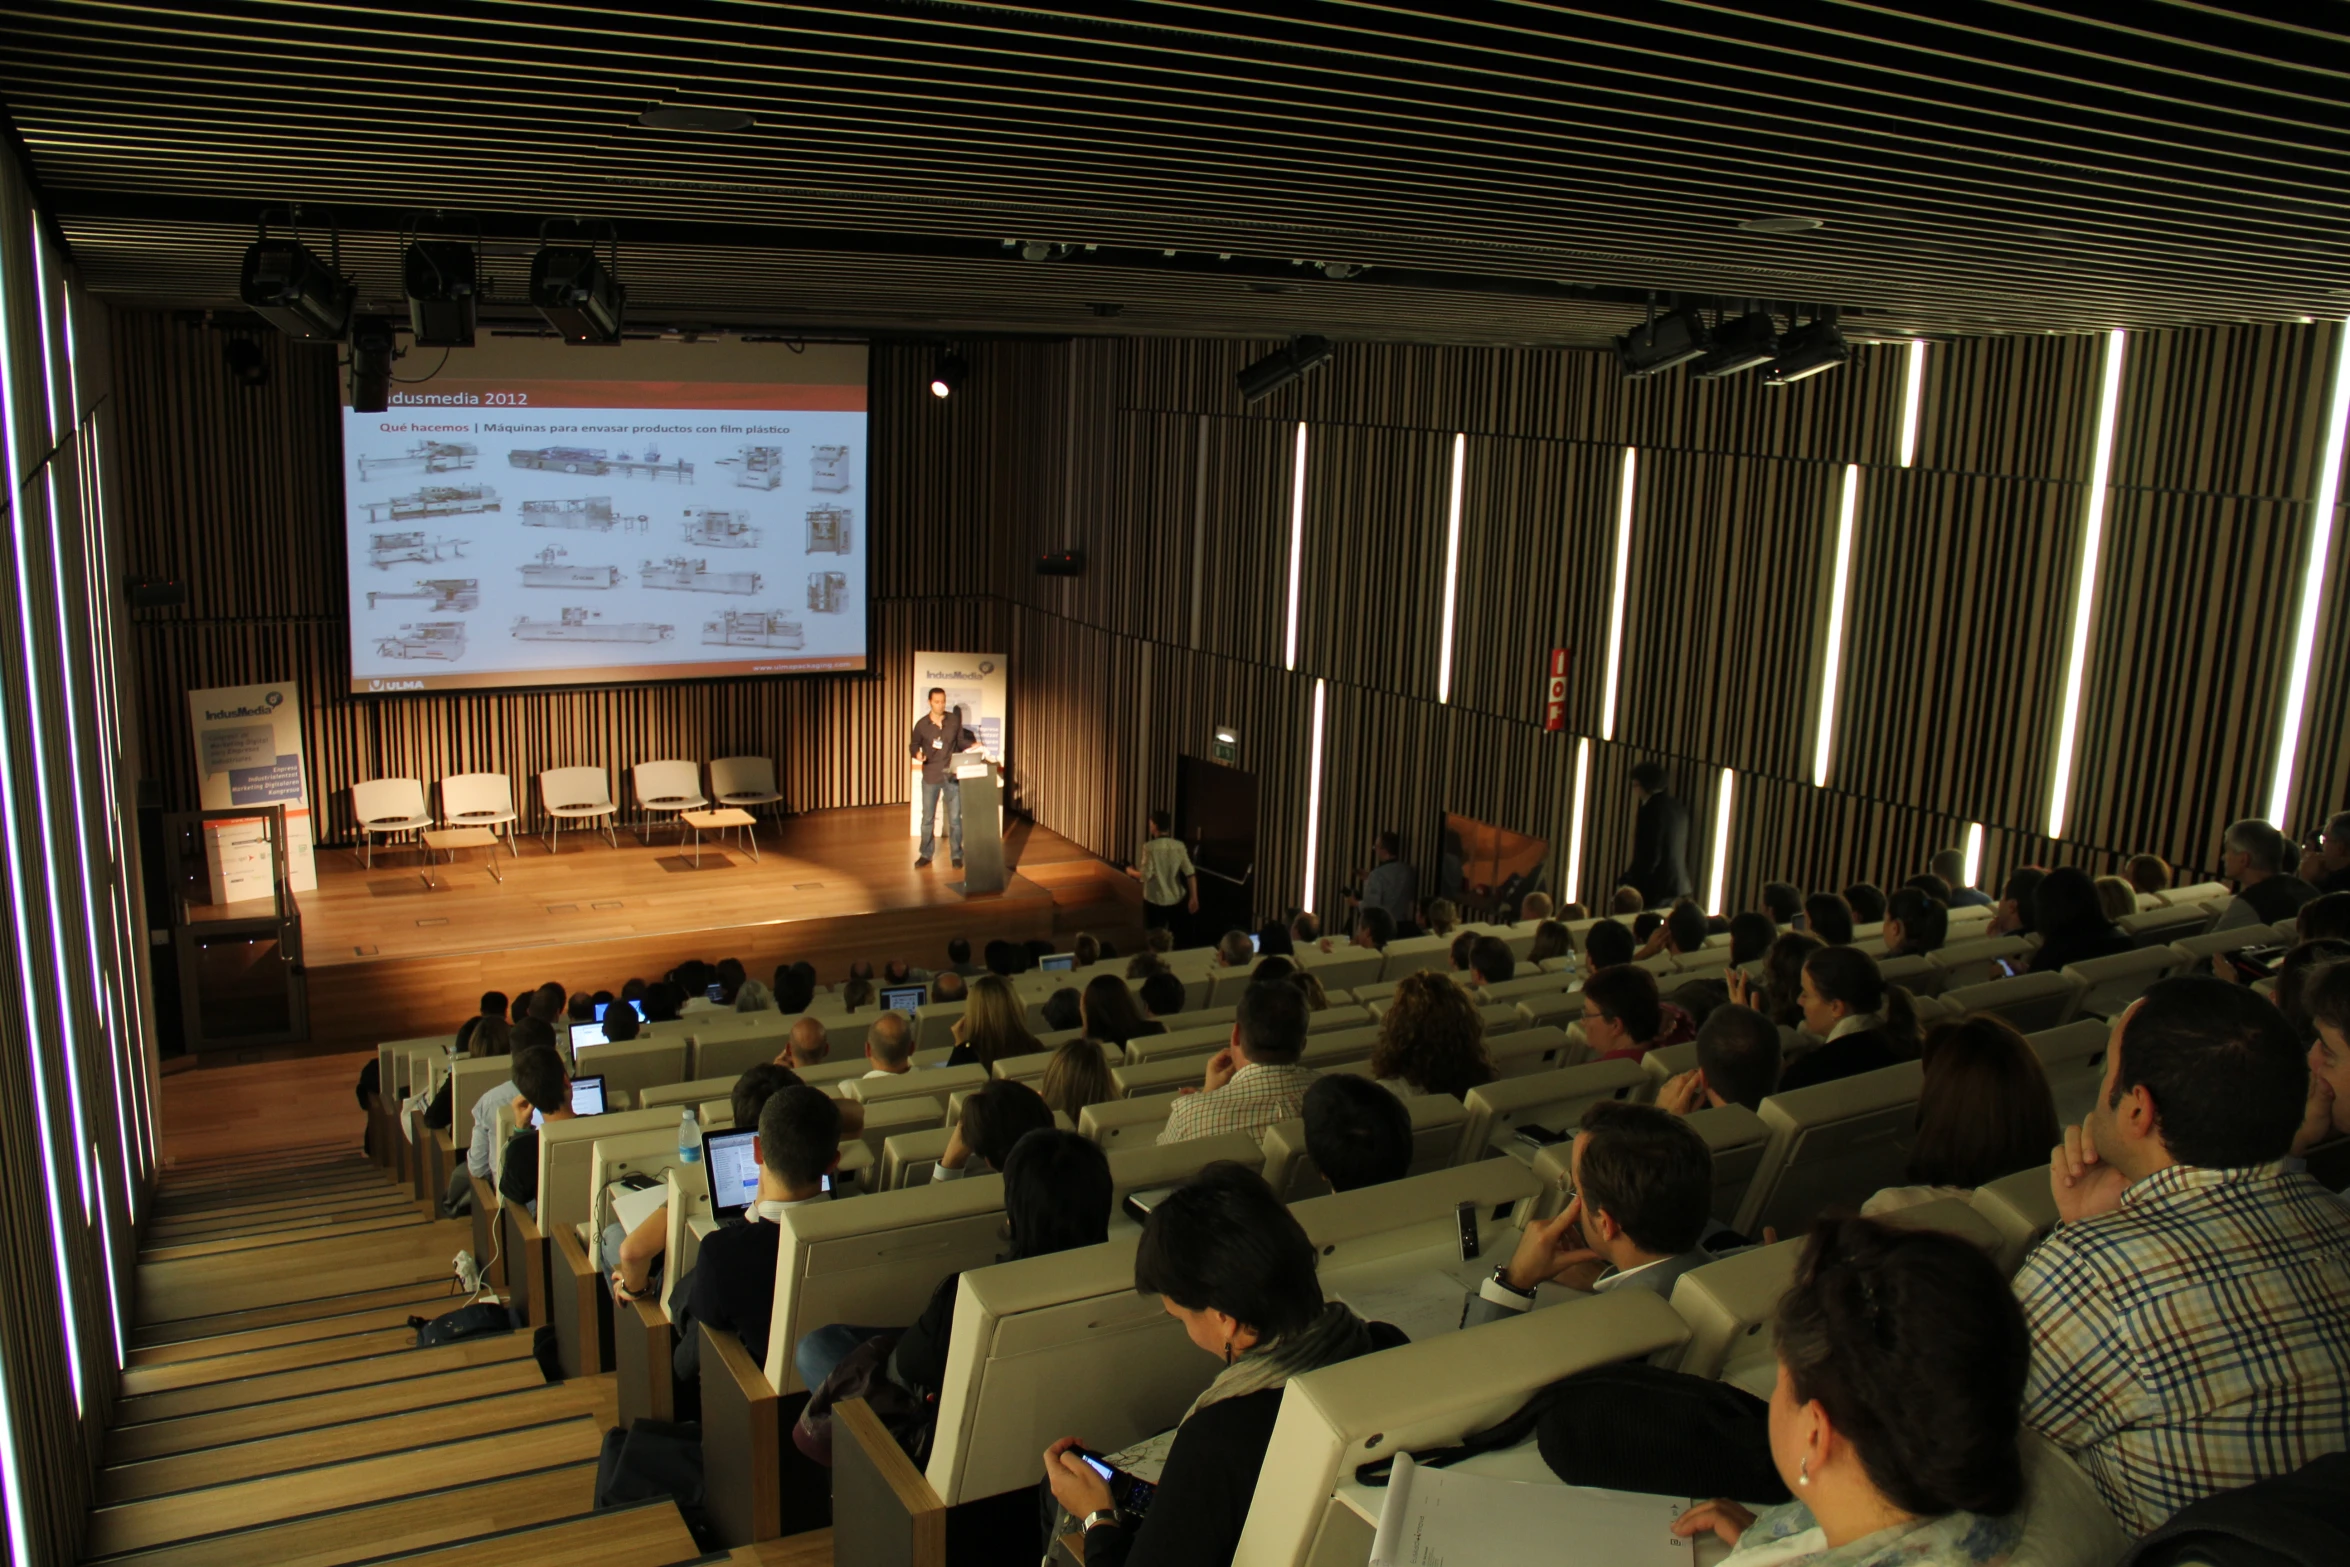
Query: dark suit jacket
pixel 1660 850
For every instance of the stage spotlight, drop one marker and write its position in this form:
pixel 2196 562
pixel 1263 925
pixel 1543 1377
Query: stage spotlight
pixel 580 296
pixel 1282 366
pixel 248 363
pixel 1738 344
pixel 1661 342
pixel 285 284
pixel 1042 250
pixel 1807 350
pixel 948 375
pixel 371 364
pixel 442 278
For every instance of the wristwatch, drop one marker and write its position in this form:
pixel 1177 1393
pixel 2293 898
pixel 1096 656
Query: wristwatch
pixel 1101 1517
pixel 1501 1277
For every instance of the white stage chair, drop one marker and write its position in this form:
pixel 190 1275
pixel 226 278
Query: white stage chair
pixel 577 794
pixel 480 800
pixel 670 787
pixel 745 782
pixel 387 807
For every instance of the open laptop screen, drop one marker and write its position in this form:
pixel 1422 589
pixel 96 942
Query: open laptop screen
pixel 587 1096
pixel 733 1171
pixel 1057 962
pixel 637 1007
pixel 585 1035
pixel 902 998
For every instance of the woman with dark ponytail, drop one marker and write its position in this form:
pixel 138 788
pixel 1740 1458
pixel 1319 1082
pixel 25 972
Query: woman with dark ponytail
pixel 1897 1412
pixel 1865 1022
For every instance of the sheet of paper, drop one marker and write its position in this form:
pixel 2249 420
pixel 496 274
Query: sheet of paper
pixel 1146 1460
pixel 1423 1302
pixel 1443 1518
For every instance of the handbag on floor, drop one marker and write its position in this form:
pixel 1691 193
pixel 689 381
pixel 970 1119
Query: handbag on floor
pixel 653 1460
pixel 910 1417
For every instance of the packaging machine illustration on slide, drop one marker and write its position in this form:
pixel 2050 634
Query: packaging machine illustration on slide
pixel 720 530
pixel 443 593
pixel 828 468
pixel 442 640
pixel 828 592
pixel 756 467
pixel 753 628
pixel 424 456
pixel 548 571
pixel 585 625
pixel 828 530
pixel 595 460
pixel 695 576
pixel 434 500
pixel 386 550
pixel 594 513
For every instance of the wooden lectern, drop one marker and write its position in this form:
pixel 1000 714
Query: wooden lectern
pixel 983 829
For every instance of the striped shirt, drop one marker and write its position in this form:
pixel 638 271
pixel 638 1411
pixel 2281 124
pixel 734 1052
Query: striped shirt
pixel 2195 1338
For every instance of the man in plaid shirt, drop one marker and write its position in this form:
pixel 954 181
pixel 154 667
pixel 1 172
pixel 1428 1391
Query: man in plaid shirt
pixel 2190 1312
pixel 1255 1080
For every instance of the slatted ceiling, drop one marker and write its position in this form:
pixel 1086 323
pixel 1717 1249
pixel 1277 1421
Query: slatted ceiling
pixel 2192 686
pixel 1985 168
pixel 2010 405
pixel 1537 557
pixel 2236 410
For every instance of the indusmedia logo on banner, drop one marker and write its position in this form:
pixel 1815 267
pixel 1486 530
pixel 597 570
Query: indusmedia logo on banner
pixel 270 703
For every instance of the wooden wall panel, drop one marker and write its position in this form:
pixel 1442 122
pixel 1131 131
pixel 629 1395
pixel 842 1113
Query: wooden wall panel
pixel 2231 410
pixel 1244 537
pixel 2022 406
pixel 1374 496
pixel 1538 530
pixel 1847 415
pixel 2321 762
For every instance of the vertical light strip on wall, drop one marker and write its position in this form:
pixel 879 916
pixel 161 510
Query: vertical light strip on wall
pixel 1833 664
pixel 1913 389
pixel 1575 827
pixel 76 843
pixel 1297 546
pixel 1974 853
pixel 2060 787
pixel 1615 610
pixel 41 293
pixel 1721 854
pixel 1313 793
pixel 1452 568
pixel 18 844
pixel 2313 575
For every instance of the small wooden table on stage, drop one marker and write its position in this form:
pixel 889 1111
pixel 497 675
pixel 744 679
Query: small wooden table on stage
pixel 447 840
pixel 719 821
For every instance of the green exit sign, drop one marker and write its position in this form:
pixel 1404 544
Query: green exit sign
pixel 1225 753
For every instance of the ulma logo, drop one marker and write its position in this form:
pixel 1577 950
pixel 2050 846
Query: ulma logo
pixel 395 685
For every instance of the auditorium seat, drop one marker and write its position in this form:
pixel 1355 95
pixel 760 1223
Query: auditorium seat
pixel 1200 1040
pixel 2160 927
pixel 388 808
pixel 577 794
pixel 938 1082
pixel 1563 1010
pixel 744 782
pixel 2197 894
pixel 2109 985
pixel 1335 1016
pixel 1525 987
pixel 1664 1065
pixel 1554 1100
pixel 1438 1122
pixel 1973 962
pixel 1126 1123
pixel 934 1024
pixel 480 800
pixel 1142 1167
pixel 1410 955
pixel 693 1091
pixel 910 1113
pixel 1515 1052
pixel 1344 968
pixel 2021 1207
pixel 2072 1056
pixel 1339 1047
pixel 1832 1144
pixel 2194 953
pixel 634 1065
pixel 668 788
pixel 1029 1069
pixel 2027 1001
pixel 1914 972
pixel 1226 985
pixel 1735 1134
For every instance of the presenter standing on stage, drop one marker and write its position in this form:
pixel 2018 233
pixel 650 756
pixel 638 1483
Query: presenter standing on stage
pixel 939 737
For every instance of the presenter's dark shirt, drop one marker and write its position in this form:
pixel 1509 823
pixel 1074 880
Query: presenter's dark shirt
pixel 938 760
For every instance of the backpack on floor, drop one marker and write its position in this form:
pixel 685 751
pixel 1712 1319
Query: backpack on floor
pixel 652 1460
pixel 910 1416
pixel 465 1322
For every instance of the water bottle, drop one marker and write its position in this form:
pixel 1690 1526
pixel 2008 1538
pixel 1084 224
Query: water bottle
pixel 689 1139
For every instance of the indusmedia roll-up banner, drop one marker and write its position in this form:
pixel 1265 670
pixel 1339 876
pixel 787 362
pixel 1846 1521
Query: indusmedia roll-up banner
pixel 248 743
pixel 975 687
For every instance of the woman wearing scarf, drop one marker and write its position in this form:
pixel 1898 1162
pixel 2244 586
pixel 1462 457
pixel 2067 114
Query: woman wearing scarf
pixel 1236 1270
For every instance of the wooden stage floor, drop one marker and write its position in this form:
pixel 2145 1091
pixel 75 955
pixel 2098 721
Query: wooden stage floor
pixel 388 958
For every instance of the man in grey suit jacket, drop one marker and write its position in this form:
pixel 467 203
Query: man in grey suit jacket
pixel 1644 1184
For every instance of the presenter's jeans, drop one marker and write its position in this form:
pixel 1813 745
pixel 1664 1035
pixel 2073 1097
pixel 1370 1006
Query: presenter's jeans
pixel 953 790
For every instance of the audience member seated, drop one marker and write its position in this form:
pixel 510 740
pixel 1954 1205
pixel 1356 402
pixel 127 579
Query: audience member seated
pixel 1894 1421
pixel 1490 961
pixel 795 988
pixel 754 997
pixel 1232 1265
pixel 621 1025
pixel 889 1047
pixel 856 995
pixel 1006 959
pixel 1644 1189
pixel 630 1257
pixel 2147 873
pixel 1570 912
pixel 1607 945
pixel 1064 1010
pixel 2325 864
pixel 2013 916
pixel 1626 900
pixel 1551 940
pixel 581 1008
pixel 1374 928
pixel 1867 1023
pixel 1270 969
pixel 1162 995
pixel 2116 897
pixel 1253 1081
pixel 2186 1312
pixel 949 987
pixel 547 1003
pixel 1464 942
pixel 540 1084
pixel 959 959
pixel 1085 950
pixel 1647 926
pixel 1827 916
pixel 993 1027
pixel 1305 929
pixel 1056 1198
pixel 994 1118
pixel 2073 925
pixel 1534 906
pixel 483 1035
pixel 1273 940
pixel 1950 865
pixel 2326 1114
pixel 1783 902
pixel 2254 856
pixel 1144 964
pixel 1737 1063
pixel 1932 886
pixel 897 971
pixel 731 977
pixel 1431 1039
pixel 1311 988
pixel 1108 1014
pixel 1751 935
pixel 1779 995
pixel 1914 924
pixel 1681 929
pixel 1867 902
pixel 482 1150
pixel 1359 1134
pixel 1078 1075
pixel 2324 918
pixel 1160 941
pixel 732 1286
pixel 807 1045
pixel 1235 950
pixel 1623 1016
pixel 1984 1111
pixel 1443 916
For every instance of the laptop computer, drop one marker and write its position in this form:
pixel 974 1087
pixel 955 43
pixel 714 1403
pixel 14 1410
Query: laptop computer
pixel 585 1036
pixel 587 1098
pixel 903 998
pixel 1057 962
pixel 733 1172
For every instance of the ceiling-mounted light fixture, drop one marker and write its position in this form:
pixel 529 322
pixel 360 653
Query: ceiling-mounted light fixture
pixel 580 296
pixel 1661 342
pixel 948 374
pixel 442 279
pixel 1342 271
pixel 693 117
pixel 1738 344
pixel 1282 366
pixel 283 282
pixel 1807 350
pixel 372 353
pixel 1040 249
pixel 1784 224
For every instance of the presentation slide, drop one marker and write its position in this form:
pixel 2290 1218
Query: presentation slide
pixel 536 514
